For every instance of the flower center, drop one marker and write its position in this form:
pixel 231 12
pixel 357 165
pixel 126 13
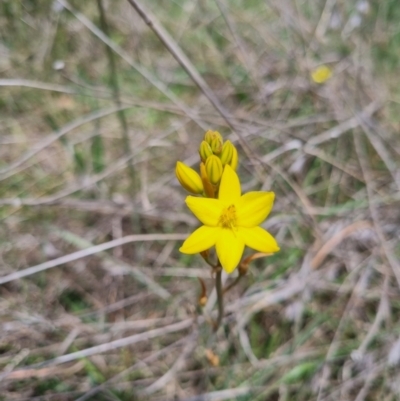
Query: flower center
pixel 228 217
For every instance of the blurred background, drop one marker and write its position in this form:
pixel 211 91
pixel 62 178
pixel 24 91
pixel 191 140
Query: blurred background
pixel 96 107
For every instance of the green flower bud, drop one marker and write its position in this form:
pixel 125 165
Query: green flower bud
pixel 215 140
pixel 235 159
pixel 227 153
pixel 210 135
pixel 189 178
pixel 205 151
pixel 216 146
pixel 214 169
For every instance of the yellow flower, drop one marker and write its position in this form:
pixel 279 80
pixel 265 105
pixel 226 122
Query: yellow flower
pixel 321 74
pixel 231 222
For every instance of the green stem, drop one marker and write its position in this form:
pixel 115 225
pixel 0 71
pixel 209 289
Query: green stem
pixel 220 299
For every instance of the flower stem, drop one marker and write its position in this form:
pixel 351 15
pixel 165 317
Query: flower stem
pixel 220 299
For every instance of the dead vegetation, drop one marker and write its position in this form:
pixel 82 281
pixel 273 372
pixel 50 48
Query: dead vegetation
pixel 96 108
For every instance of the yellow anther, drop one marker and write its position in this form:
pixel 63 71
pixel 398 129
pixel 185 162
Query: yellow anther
pixel 228 217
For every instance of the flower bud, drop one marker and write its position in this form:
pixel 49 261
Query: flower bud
pixel 214 139
pixel 235 159
pixel 205 151
pixel 210 135
pixel 208 187
pixel 227 152
pixel 189 178
pixel 216 146
pixel 214 169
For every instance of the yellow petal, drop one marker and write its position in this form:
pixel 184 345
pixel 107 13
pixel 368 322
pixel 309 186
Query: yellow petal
pixel 201 239
pixel 229 190
pixel 253 208
pixel 207 210
pixel 259 239
pixel 229 248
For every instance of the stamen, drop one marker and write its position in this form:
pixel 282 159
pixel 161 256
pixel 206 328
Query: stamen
pixel 228 217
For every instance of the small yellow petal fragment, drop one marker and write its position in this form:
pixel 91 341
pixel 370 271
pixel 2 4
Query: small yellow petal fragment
pixel 189 178
pixel 212 358
pixel 321 74
pixel 203 301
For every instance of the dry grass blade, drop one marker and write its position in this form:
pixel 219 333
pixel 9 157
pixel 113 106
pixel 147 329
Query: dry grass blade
pixel 8 171
pixel 191 70
pixel 112 345
pixel 387 252
pixel 92 251
pixel 38 85
pixel 118 50
pixel 121 320
pixel 151 358
pixel 223 394
pixel 176 367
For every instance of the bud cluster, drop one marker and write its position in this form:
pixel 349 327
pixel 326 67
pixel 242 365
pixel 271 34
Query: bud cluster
pixel 215 154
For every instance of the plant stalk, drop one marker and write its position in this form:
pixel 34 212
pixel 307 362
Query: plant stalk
pixel 220 299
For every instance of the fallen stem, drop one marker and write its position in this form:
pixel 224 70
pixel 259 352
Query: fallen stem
pixel 232 284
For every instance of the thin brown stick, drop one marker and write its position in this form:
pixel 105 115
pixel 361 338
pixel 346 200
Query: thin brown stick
pixel 125 56
pixel 191 70
pixel 181 58
pixel 232 284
